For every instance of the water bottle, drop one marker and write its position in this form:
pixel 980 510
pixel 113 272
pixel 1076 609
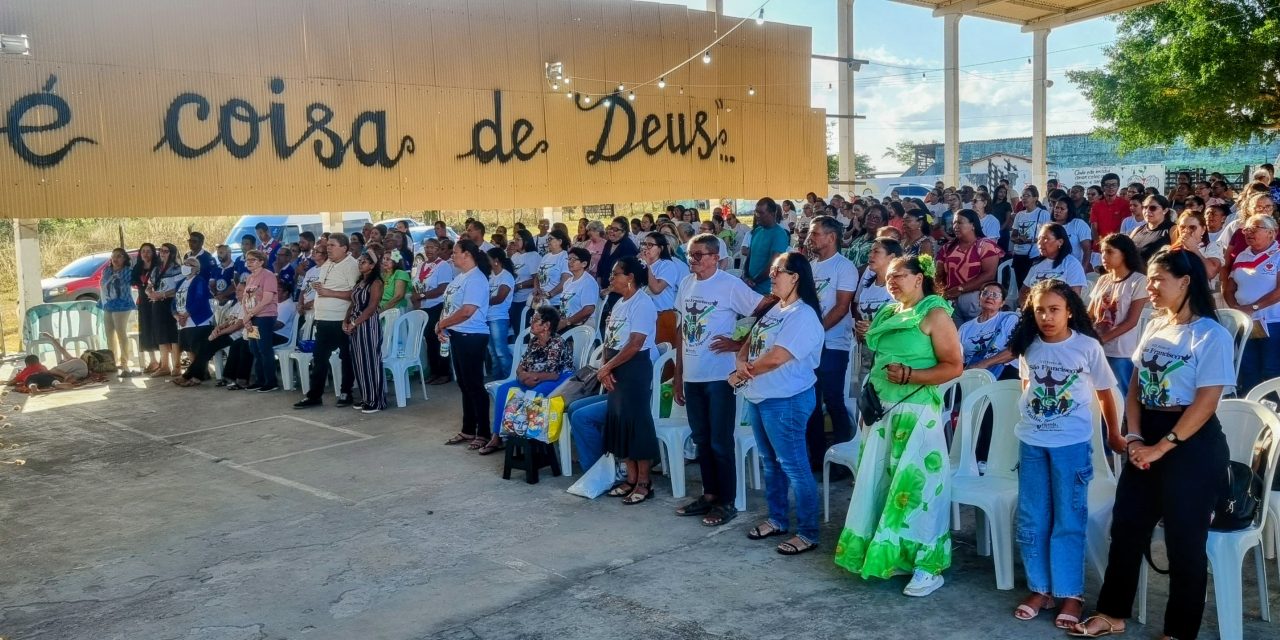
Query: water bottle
pixel 444 349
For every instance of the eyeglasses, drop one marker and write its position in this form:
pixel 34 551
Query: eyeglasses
pixel 648 244
pixel 991 294
pixel 615 229
pixel 774 271
pixel 696 255
pixel 1153 207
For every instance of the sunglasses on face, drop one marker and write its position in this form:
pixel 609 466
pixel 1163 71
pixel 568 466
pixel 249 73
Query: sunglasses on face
pixel 774 271
pixel 1153 207
pixel 699 256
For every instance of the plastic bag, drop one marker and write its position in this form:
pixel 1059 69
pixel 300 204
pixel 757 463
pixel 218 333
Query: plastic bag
pixel 598 479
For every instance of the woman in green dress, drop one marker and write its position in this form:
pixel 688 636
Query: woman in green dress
pixel 899 515
pixel 395 295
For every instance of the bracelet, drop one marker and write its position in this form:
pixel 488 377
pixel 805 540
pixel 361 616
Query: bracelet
pixel 909 372
pixel 1133 437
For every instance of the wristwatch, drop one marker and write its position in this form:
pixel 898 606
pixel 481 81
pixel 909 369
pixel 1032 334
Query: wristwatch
pixel 1173 438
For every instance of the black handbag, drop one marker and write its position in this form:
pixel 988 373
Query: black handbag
pixel 1237 507
pixel 870 406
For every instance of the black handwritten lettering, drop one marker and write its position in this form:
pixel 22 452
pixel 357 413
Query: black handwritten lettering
pixel 521 131
pixel 15 131
pixel 239 130
pixel 618 135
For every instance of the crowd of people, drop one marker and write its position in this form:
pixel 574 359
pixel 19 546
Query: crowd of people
pixel 774 312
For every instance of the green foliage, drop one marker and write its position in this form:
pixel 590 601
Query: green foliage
pixel 861 165
pixel 1201 70
pixel 904 151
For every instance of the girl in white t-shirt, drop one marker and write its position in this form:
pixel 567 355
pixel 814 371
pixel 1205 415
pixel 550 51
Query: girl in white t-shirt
pixel 1062 369
pixel 1116 305
pixel 1177 455
pixel 1056 262
pixel 1078 231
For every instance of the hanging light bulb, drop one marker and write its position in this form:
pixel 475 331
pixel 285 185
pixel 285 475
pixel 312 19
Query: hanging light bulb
pixel 568 94
pixel 586 99
pixel 607 102
pixel 706 57
pixel 662 82
pixel 681 90
pixel 568 80
pixel 631 95
pixel 760 18
pixel 621 88
pixel 751 91
pixel 555 86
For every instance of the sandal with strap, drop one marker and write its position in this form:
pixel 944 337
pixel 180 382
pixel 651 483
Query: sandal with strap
pixel 790 548
pixel 635 497
pixel 759 533
pixel 459 438
pixel 622 490
pixel 477 443
pixel 719 515
pixel 1066 619
pixel 699 507
pixel 1033 605
pixel 1081 630
pixel 490 448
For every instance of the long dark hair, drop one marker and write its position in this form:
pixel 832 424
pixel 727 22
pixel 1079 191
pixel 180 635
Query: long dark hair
pixel 527 243
pixel 482 261
pixel 152 247
pixel 499 256
pixel 563 237
pixel 172 262
pixel 1027 330
pixel 923 216
pixel 375 274
pixel 1180 263
pixel 912 264
pixel 891 247
pixel 1124 244
pixel 806 289
pixel 664 245
pixel 1059 232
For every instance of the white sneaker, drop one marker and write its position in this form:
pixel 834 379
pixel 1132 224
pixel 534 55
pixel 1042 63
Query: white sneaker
pixel 922 584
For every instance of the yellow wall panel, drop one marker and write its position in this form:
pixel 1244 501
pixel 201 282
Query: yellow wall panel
pixel 189 107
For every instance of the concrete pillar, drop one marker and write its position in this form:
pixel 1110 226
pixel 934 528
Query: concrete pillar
pixel 26 240
pixel 332 221
pixel 553 214
pixel 716 6
pixel 951 101
pixel 1039 83
pixel 844 21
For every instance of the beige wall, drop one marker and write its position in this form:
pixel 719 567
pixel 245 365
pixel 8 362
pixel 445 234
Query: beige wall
pixel 429 69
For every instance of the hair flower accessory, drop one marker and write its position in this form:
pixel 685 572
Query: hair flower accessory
pixel 927 265
pixel 395 255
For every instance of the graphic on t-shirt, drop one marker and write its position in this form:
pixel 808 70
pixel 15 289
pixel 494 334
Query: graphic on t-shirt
pixel 983 346
pixel 758 334
pixel 544 271
pixel 1052 396
pixel 449 293
pixel 565 299
pixel 822 285
pixel 613 332
pixel 1109 307
pixel 1154 378
pixel 868 310
pixel 695 321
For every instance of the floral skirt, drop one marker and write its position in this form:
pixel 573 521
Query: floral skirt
pixel 900 513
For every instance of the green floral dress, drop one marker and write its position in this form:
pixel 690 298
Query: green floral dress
pixel 899 516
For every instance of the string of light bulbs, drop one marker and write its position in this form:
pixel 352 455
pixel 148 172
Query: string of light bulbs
pixel 660 80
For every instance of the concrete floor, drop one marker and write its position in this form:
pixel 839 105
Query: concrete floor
pixel 148 512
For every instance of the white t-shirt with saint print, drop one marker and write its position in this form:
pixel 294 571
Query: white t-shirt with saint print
pixel 870 298
pixel 1068 271
pixel 577 294
pixel 468 288
pixel 671 272
pixel 1173 360
pixel 981 340
pixel 1063 379
pixel 550 268
pixel 632 315
pixel 797 329
pixel 831 276
pixel 706 309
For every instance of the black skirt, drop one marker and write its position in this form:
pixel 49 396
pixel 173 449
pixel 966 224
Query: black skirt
pixel 146 325
pixel 628 427
pixel 164 327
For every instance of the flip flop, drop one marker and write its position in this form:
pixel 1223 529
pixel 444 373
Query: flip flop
pixel 1111 629
pixel 458 438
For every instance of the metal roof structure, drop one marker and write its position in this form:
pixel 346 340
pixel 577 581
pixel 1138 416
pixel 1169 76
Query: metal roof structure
pixel 1032 15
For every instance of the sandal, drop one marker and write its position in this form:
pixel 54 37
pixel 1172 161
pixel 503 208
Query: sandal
pixel 1066 618
pixel 151 367
pixel 719 515
pixel 790 548
pixel 477 443
pixel 635 497
pixel 161 373
pixel 622 489
pixel 1029 608
pixel 458 438
pixel 490 447
pixel 758 533
pixel 698 507
pixel 1081 630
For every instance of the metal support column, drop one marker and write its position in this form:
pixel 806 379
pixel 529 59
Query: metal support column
pixel 951 102
pixel 1039 83
pixel 845 126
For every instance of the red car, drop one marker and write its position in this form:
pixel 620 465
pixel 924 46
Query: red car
pixel 78 280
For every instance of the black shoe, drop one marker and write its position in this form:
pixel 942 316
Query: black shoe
pixel 343 401
pixel 268 389
pixel 307 403
pixel 368 408
pixel 253 387
pixel 221 383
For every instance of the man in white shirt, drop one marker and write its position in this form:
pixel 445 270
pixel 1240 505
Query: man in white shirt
pixel 835 279
pixel 708 306
pixel 475 233
pixel 333 288
pixel 544 227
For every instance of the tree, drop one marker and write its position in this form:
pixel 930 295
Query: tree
pixel 904 151
pixel 1201 70
pixel 861 165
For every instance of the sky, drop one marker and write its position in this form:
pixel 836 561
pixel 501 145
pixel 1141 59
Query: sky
pixel 906 103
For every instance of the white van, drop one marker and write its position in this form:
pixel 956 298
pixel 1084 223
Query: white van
pixel 287 228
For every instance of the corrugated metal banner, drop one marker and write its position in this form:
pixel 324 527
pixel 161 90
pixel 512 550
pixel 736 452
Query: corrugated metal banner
pixel 191 107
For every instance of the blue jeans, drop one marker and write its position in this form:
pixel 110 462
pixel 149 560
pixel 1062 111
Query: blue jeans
pixel 263 350
pixel 1053 510
pixel 499 350
pixel 1123 370
pixel 500 394
pixel 779 425
pixel 587 415
pixel 1260 361
pixel 830 391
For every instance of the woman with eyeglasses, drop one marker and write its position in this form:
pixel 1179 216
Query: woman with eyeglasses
pixel 775 374
pixel 464 324
pixel 985 338
pixel 553 269
pixel 900 512
pixel 665 274
pixel 161 289
pixel 581 293
pixel 1253 288
pixel 1177 454
pixel 1154 235
pixel 989 224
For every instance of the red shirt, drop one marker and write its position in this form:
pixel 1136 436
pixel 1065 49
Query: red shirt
pixel 21 378
pixel 1107 216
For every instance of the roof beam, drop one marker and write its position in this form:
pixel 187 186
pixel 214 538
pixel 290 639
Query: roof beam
pixel 962 6
pixel 1084 12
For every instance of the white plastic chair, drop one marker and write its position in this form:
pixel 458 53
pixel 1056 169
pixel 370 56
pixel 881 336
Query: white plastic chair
pixel 583 339
pixel 1102 490
pixel 1006 275
pixel 517 353
pixel 994 494
pixel 968 382
pixel 1238 324
pixel 281 352
pixel 388 320
pixel 1271 539
pixel 303 360
pixel 843 453
pixel 564 444
pixel 745 453
pixel 672 431
pixel 407 336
